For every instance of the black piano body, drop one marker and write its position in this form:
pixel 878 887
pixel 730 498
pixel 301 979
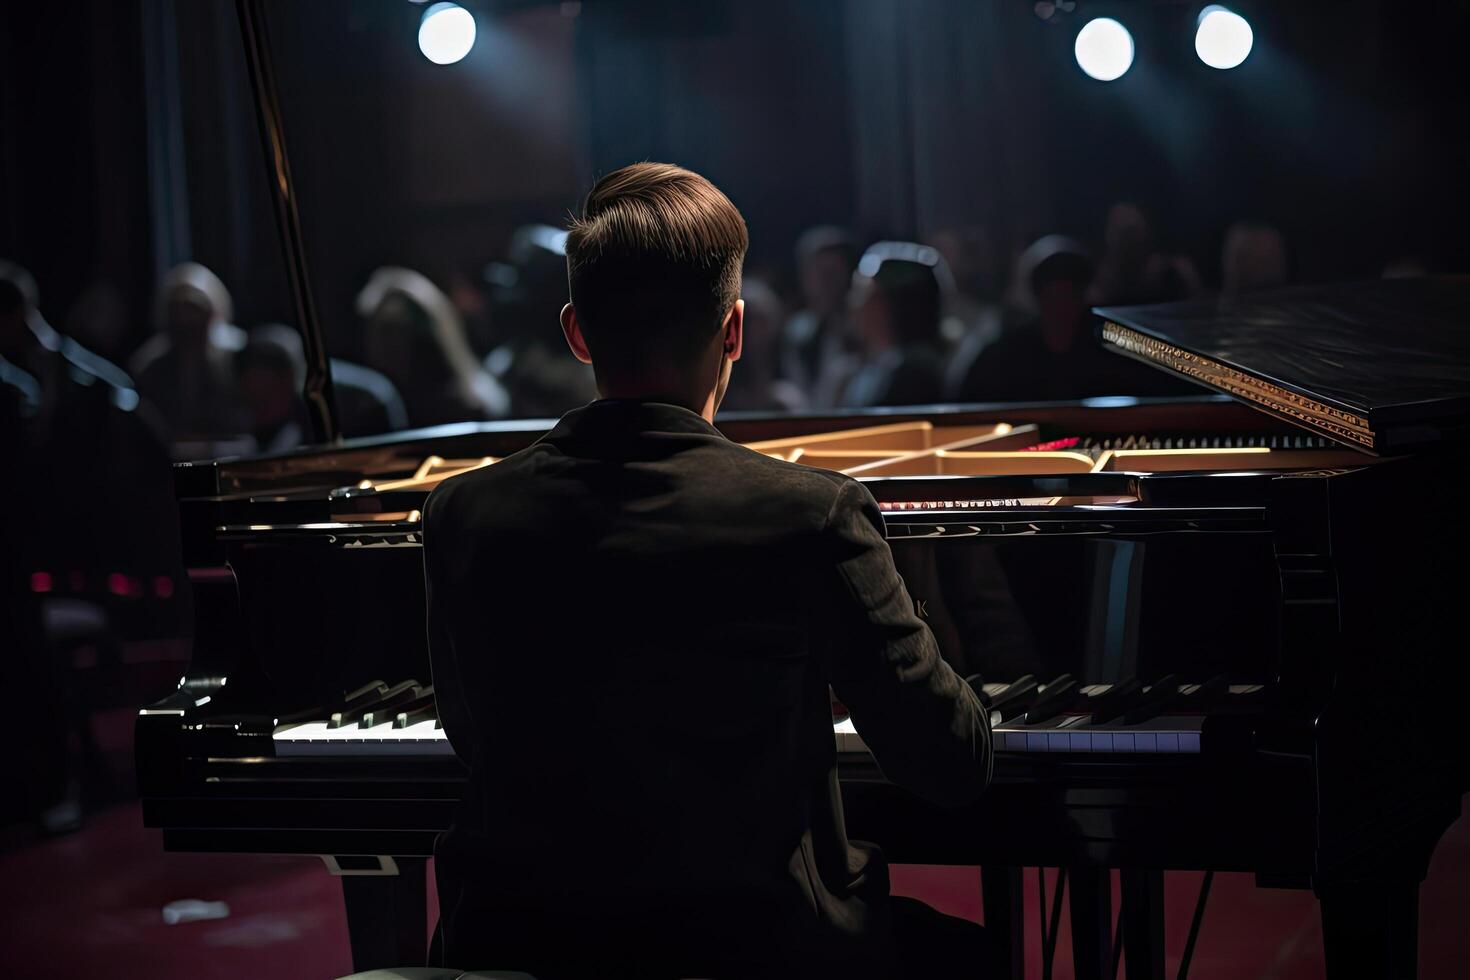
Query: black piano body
pixel 1307 585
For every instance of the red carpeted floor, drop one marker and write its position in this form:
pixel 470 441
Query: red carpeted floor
pixel 90 905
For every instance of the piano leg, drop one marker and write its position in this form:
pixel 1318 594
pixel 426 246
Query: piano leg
pixel 1001 895
pixel 387 917
pixel 1143 922
pixel 1091 901
pixel 1371 929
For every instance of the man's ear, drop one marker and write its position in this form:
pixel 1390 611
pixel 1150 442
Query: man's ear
pixel 735 330
pixel 572 330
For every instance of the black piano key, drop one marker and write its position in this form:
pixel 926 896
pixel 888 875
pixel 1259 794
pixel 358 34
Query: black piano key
pixel 370 691
pixel 358 702
pixel 1151 703
pixel 391 703
pixel 1015 699
pixel 416 715
pixel 1209 695
pixel 354 701
pixel 421 708
pixel 1053 698
pixel 1114 701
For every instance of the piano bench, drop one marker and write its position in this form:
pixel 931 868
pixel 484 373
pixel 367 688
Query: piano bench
pixel 437 973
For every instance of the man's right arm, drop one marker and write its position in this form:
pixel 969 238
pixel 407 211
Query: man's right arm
pixel 924 725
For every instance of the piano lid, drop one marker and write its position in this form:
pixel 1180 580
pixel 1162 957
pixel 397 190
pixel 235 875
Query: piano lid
pixel 1380 366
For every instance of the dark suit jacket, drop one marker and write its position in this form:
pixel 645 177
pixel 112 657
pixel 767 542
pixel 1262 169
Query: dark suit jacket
pixel 633 626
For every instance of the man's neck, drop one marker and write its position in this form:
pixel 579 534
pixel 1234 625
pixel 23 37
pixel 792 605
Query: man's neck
pixel 702 404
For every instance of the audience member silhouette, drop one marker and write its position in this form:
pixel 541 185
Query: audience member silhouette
pixel 34 346
pixel 898 295
pixel 755 386
pixel 1171 277
pixel 270 370
pixel 529 356
pixel 186 369
pixel 269 378
pixel 974 306
pixel 99 319
pixel 1128 243
pixel 1057 355
pixel 1410 266
pixel 817 347
pixel 414 336
pixel 1252 259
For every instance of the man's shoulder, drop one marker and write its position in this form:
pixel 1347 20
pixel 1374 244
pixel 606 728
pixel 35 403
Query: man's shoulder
pixel 788 484
pixel 504 477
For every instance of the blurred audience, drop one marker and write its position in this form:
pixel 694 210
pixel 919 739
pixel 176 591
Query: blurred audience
pixel 414 336
pixel 1057 355
pixel 897 301
pixel 817 348
pixel 754 384
pixel 1252 259
pixel 908 324
pixel 185 370
pixel 79 454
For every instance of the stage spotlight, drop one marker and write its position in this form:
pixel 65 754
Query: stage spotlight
pixel 1223 39
pixel 446 33
pixel 1104 49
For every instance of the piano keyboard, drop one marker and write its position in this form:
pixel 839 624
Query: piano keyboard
pixel 379 720
pixel 1072 734
pixel 318 738
pixel 1068 732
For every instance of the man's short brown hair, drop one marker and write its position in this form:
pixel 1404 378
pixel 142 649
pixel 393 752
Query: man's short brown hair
pixel 653 262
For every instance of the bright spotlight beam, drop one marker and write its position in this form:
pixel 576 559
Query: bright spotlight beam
pixel 1104 49
pixel 1223 39
pixel 446 33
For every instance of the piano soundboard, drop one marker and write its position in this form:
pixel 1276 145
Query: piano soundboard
pixel 922 448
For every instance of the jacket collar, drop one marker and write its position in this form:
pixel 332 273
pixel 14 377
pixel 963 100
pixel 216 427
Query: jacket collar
pixel 612 418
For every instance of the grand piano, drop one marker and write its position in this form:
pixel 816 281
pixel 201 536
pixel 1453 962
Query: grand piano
pixel 1214 633
pixel 1210 639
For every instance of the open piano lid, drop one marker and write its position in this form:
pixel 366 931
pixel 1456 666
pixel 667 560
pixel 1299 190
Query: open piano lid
pixel 1380 366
